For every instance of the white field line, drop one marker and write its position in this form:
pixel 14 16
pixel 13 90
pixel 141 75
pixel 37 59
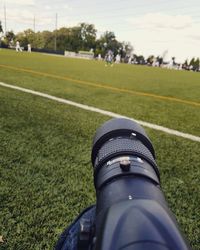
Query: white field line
pixel 104 112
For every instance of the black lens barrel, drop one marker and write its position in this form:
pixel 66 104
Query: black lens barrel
pixel 131 210
pixel 121 137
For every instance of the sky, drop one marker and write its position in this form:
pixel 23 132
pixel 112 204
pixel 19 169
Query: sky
pixel 158 27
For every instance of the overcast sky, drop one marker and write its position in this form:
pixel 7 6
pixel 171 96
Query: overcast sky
pixel 152 26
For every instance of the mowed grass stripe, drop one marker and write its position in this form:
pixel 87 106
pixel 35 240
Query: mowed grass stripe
pixel 101 85
pixel 104 112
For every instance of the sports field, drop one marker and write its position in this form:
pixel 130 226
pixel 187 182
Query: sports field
pixel 45 146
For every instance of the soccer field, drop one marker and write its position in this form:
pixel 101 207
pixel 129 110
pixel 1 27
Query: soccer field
pixel 45 146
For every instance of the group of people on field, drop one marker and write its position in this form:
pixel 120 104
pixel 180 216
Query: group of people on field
pixel 109 58
pixel 19 48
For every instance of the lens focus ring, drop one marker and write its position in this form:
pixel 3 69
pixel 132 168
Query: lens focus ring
pixel 120 146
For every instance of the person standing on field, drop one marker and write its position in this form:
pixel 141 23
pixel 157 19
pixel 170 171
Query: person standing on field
pixel 18 48
pixel 109 58
pixel 29 48
pixel 117 58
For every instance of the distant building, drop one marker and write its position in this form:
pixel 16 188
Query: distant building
pixel 80 54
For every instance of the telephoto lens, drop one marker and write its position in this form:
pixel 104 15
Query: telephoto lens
pixel 131 210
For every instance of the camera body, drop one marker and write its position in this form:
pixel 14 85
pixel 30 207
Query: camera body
pixel 131 212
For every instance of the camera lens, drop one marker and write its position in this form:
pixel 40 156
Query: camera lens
pixel 128 191
pixel 117 140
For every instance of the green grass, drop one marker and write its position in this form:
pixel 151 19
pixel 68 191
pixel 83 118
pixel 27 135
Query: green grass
pixel 45 170
pixel 184 85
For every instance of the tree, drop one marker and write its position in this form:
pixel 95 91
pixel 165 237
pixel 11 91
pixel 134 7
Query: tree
pixel 1 28
pixel 29 36
pixel 127 48
pixel 75 41
pixel 10 35
pixel 76 38
pixel 88 36
pixel 192 62
pixel 21 37
pixel 186 63
pixel 173 60
pixel 196 64
pixel 38 41
pixel 63 38
pixel 9 38
pixel 80 37
pixel 1 31
pixel 159 60
pixel 48 38
pixel 150 59
pixel 140 59
pixel 107 42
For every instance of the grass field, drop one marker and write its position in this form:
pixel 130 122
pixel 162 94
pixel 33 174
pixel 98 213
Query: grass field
pixel 45 170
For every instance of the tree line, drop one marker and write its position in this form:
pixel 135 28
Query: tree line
pixel 82 37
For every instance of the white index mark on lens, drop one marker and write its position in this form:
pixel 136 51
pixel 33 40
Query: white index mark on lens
pixel 133 134
pixel 139 160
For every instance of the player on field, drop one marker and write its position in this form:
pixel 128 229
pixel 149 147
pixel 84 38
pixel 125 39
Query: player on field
pixel 117 58
pixel 29 48
pixel 109 58
pixel 18 48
